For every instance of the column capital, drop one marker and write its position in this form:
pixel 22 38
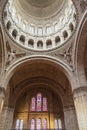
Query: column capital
pixel 79 92
pixel 69 107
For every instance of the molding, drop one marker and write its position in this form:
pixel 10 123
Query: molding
pixel 80 89
pixel 69 108
pixel 80 92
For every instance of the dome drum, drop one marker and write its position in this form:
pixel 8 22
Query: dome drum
pixel 63 27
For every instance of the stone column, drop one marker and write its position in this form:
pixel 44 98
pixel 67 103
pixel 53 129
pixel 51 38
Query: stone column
pixel 6 118
pixel 80 100
pixel 2 97
pixel 9 119
pixel 70 119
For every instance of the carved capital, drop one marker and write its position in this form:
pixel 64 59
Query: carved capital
pixel 80 92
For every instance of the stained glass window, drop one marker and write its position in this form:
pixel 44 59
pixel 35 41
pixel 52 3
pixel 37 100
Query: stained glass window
pixel 17 124
pixel 60 123
pixel 56 124
pixel 33 104
pixel 32 124
pixel 38 103
pixel 39 124
pixel 45 124
pixel 21 124
pixel 39 96
pixel 44 104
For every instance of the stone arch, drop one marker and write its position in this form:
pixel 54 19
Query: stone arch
pixel 14 33
pixel 22 39
pixel 40 44
pixel 31 43
pixel 2 53
pixel 8 25
pixel 79 47
pixel 24 85
pixel 50 61
pixel 44 59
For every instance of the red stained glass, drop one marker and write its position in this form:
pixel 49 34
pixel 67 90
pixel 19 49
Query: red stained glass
pixel 44 104
pixel 33 104
pixel 39 96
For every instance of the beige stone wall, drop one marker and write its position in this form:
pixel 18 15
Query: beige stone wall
pixel 70 119
pixel 6 118
pixel 80 100
pixel 22 109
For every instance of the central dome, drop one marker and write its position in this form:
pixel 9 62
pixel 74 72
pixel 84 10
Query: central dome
pixel 38 8
pixel 40 3
pixel 40 24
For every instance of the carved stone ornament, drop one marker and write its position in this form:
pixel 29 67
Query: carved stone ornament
pixel 12 54
pixel 83 5
pixel 66 55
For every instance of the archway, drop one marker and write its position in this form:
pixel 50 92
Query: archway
pixel 2 58
pixel 39 71
pixel 80 93
pixel 80 46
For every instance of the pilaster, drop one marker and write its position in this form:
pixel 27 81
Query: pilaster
pixel 80 100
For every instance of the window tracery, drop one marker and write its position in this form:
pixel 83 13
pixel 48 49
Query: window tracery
pixel 39 103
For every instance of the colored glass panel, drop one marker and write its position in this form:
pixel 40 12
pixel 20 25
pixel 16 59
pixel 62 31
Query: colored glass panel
pixel 17 124
pixel 44 104
pixel 21 124
pixel 32 127
pixel 45 124
pixel 39 102
pixel 33 104
pixel 56 124
pixel 38 124
pixel 60 123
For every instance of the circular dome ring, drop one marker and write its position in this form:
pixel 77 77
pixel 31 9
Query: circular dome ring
pixel 62 27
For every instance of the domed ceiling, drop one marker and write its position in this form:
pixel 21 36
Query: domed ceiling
pixel 38 8
pixel 40 24
pixel 40 3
